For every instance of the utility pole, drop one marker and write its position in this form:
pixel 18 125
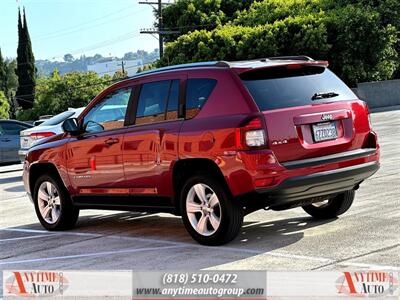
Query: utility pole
pixel 159 30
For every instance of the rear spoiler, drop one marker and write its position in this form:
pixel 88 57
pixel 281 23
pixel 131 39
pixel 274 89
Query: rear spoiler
pixel 288 64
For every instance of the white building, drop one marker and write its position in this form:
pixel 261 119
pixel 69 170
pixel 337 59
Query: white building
pixel 110 67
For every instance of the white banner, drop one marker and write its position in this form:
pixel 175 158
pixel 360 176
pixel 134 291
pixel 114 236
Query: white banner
pixel 67 283
pixel 346 284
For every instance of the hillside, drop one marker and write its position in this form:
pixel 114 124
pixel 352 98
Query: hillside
pixel 46 67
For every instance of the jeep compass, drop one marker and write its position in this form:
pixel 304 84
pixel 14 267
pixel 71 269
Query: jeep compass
pixel 210 142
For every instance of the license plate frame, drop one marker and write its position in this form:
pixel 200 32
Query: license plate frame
pixel 326 131
pixel 24 143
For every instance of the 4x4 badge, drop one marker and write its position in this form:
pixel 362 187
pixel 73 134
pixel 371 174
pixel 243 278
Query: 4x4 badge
pixel 326 117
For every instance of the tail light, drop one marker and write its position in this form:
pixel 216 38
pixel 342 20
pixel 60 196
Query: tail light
pixel 41 135
pixel 251 135
pixel 369 115
pixel 34 137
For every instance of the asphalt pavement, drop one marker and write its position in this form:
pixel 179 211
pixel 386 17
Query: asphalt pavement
pixel 366 237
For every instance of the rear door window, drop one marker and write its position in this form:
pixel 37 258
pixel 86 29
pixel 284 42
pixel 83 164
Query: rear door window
pixel 158 101
pixel 282 87
pixel 197 92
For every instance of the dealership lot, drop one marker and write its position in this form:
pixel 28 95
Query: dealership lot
pixel 366 237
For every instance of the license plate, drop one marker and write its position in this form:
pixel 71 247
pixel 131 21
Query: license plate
pixel 324 131
pixel 24 143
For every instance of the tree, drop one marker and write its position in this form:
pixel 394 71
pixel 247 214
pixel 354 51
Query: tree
pixel 12 85
pixel 3 74
pixel 12 79
pixel 56 93
pixel 362 48
pixel 4 106
pixel 68 58
pixel 360 38
pixel 120 75
pixel 189 15
pixel 26 70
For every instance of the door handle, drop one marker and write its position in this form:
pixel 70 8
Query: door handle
pixel 5 140
pixel 111 141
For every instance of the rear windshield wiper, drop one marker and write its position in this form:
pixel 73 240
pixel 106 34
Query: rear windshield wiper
pixel 317 96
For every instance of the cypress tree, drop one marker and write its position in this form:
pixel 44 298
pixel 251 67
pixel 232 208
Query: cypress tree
pixel 3 74
pixel 26 70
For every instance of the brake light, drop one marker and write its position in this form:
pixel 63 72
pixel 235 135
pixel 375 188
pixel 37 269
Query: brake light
pixel 41 135
pixel 251 135
pixel 294 66
pixel 369 115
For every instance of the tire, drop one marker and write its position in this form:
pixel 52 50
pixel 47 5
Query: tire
pixel 334 207
pixel 65 214
pixel 220 208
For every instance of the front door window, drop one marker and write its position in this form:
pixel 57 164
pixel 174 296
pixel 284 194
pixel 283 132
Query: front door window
pixel 109 113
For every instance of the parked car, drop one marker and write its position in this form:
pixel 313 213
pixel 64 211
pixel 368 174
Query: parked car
pixel 9 139
pixel 45 129
pixel 42 119
pixel 211 142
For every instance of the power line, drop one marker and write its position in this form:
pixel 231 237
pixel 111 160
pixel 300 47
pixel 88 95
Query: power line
pixel 84 23
pixel 111 41
pixel 115 40
pixel 159 29
pixel 88 27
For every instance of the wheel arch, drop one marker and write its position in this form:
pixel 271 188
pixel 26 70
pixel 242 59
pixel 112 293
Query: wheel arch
pixel 38 169
pixel 185 168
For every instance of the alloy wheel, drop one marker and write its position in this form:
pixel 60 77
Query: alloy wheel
pixel 203 209
pixel 49 202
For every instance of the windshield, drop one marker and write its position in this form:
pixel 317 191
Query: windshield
pixel 58 119
pixel 282 87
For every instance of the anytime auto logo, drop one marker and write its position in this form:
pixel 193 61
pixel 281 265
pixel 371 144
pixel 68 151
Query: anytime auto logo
pixel 369 283
pixel 35 283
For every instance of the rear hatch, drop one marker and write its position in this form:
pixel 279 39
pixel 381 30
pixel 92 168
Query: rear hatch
pixel 309 112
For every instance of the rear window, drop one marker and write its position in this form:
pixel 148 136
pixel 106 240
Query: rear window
pixel 58 118
pixel 11 128
pixel 283 87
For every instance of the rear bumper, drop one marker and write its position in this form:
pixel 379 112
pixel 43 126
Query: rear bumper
pixel 21 154
pixel 25 179
pixel 311 187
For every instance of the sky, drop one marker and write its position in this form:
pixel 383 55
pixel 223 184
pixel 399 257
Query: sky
pixel 58 27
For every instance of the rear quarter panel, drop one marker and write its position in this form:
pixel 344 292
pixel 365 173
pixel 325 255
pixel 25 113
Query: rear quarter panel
pixel 211 134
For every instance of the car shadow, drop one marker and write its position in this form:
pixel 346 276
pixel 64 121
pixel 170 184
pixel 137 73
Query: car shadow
pixel 11 179
pixel 15 189
pixel 171 228
pixel 254 239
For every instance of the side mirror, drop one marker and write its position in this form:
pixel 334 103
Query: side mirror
pixel 92 126
pixel 71 126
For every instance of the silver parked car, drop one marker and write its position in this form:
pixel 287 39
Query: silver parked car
pixel 9 139
pixel 46 129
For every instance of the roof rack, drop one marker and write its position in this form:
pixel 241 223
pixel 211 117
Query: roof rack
pixel 221 64
pixel 189 65
pixel 296 57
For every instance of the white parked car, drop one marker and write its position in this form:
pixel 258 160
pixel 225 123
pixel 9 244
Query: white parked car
pixel 48 128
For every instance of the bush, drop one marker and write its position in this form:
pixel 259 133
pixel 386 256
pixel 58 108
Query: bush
pixel 362 49
pixel 4 106
pixel 359 38
pixel 306 35
pixel 267 12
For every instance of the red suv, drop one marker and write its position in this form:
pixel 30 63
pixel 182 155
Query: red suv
pixel 211 142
